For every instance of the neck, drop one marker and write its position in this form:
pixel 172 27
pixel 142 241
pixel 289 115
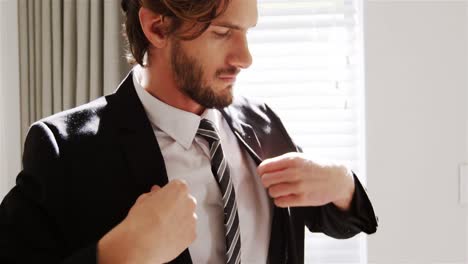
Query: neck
pixel 160 83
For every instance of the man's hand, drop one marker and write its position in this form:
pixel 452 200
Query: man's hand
pixel 294 180
pixel 160 225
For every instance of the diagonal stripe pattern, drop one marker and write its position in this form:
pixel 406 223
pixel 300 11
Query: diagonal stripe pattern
pixel 221 172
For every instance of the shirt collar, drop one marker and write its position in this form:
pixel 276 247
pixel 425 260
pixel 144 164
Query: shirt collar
pixel 180 125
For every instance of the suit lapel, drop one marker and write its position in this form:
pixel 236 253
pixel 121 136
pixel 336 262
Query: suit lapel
pixel 136 135
pixel 249 139
pixel 140 146
pixel 244 132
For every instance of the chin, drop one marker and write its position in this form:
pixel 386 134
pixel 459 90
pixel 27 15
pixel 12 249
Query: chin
pixel 228 94
pixel 218 97
pixel 223 101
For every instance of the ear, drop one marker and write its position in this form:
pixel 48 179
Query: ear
pixel 154 27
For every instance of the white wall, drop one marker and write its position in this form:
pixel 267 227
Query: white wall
pixel 9 96
pixel 416 96
pixel 466 241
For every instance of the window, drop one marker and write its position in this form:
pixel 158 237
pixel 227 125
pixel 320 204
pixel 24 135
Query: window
pixel 307 67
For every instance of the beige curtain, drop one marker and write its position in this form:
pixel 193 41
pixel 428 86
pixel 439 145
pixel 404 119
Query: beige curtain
pixel 71 52
pixel 10 150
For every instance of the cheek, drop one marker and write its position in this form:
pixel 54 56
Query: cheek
pixel 210 56
pixel 213 56
pixel 212 64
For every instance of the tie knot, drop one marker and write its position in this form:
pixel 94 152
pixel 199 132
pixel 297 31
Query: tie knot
pixel 208 131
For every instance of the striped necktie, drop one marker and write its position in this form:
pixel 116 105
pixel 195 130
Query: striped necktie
pixel 220 170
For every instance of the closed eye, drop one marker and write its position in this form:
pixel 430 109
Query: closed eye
pixel 222 34
pixel 221 31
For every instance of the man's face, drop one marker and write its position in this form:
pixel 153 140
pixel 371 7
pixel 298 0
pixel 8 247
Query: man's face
pixel 205 68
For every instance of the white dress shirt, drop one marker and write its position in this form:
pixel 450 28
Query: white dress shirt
pixel 186 157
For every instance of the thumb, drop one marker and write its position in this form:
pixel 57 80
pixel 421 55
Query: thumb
pixel 155 188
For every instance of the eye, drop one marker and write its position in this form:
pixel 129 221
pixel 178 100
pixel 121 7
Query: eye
pixel 221 32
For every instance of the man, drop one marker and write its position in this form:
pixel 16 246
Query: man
pixel 171 167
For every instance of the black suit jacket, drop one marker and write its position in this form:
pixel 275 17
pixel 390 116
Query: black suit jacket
pixel 84 168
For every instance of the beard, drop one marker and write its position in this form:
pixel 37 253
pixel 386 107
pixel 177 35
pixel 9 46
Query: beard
pixel 188 75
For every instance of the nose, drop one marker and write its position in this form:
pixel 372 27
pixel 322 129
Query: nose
pixel 240 56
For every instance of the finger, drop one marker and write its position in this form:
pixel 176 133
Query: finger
pixel 177 182
pixel 277 163
pixel 193 203
pixel 302 199
pixel 180 185
pixel 141 197
pixel 155 188
pixel 283 189
pixel 283 176
pixel 291 200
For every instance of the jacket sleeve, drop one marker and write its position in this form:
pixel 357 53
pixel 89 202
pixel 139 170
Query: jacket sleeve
pixel 336 223
pixel 328 219
pixel 30 214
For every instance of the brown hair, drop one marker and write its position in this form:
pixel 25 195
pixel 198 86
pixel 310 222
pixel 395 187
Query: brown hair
pixel 198 13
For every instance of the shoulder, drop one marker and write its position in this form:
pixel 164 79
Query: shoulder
pixel 79 121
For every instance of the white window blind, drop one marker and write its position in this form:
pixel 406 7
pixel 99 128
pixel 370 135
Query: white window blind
pixel 307 67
